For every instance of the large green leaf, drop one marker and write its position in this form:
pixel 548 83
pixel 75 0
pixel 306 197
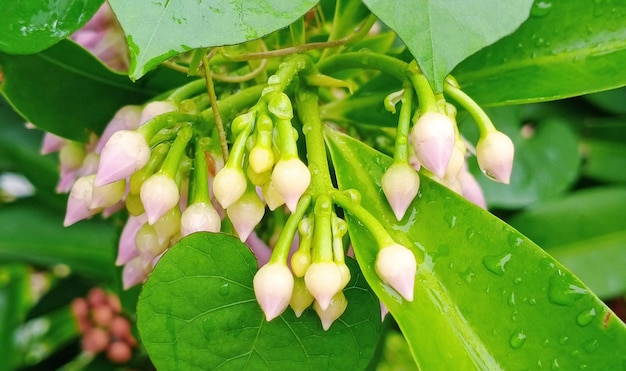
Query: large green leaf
pixel 486 297
pixel 158 30
pixel 586 231
pixel 440 34
pixel 198 311
pixel 14 302
pixel 34 25
pixel 33 234
pixel 566 48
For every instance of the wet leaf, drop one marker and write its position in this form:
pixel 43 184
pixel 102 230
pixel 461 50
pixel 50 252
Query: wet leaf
pixel 561 39
pixel 198 311
pixel 474 269
pixel 442 34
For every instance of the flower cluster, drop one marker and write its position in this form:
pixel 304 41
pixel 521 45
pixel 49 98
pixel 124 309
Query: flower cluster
pixel 103 326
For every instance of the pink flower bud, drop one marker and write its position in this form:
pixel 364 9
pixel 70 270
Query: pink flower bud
pixel 71 155
pixel 433 139
pixel 159 194
pixel 126 118
pixel 79 202
pixel 123 154
pixel 273 285
pixel 229 185
pixel 335 309
pixel 323 280
pixel 457 161
pixel 127 249
pixel 272 198
pixel 153 109
pixel 470 189
pixel 400 185
pixel 148 245
pixel 51 143
pixel 246 213
pixel 301 298
pixel 396 266
pixel 495 153
pixel 200 217
pixel 108 195
pixel 133 273
pixel 291 179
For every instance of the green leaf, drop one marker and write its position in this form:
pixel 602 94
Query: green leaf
pixel 604 160
pixel 14 302
pixel 546 161
pixel 486 297
pixel 33 234
pixel 440 34
pixel 65 90
pixel 198 311
pixel 34 25
pixel 566 48
pixel 586 232
pixel 158 30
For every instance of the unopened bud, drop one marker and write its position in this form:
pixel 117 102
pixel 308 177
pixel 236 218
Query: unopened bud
pixel 71 155
pixel 133 273
pixel 51 143
pixel 400 185
pixel 396 266
pixel 457 160
pixel 335 309
pixel 108 195
pixel 159 194
pixel 127 249
pixel 246 213
pixel 167 225
pixel 200 217
pixel 153 109
pixel 147 243
pixel 301 298
pixel 323 280
pixel 126 118
pixel 495 153
pixel 291 179
pixel 300 262
pixel 261 159
pixel 272 198
pixel 470 189
pixel 273 285
pixel 229 185
pixel 123 154
pixel 433 139
pixel 79 202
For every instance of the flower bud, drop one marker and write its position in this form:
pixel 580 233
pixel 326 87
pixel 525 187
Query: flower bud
pixel 122 155
pixel 51 143
pixel 396 266
pixel 323 280
pixel 133 273
pixel 272 198
pixel 159 194
pixel 147 243
pixel 345 274
pixel 167 225
pixel 280 106
pixel 335 309
pixel 108 195
pixel 457 161
pixel 273 285
pixel 470 189
pixel 79 202
pixel 301 298
pixel 153 109
pixel 246 213
pixel 400 185
pixel 126 118
pixel 200 217
pixel 71 155
pixel 261 159
pixel 300 262
pixel 229 185
pixel 291 179
pixel 495 153
pixel 127 249
pixel 433 139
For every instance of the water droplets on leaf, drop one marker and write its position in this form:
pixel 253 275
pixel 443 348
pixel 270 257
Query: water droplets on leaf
pixel 470 233
pixel 517 339
pixel 562 290
pixel 585 317
pixel 224 289
pixel 540 8
pixel 515 240
pixel 555 364
pixel 563 340
pixel 496 263
pixel 591 346
pixel 450 219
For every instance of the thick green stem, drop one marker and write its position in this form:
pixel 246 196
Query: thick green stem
pixel 425 94
pixel 200 185
pixel 283 245
pixel 187 91
pixel 177 151
pixel 401 151
pixel 232 106
pixel 166 120
pixel 365 60
pixel 322 234
pixel 482 120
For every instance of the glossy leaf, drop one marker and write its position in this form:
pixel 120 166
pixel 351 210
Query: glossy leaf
pixel 14 302
pixel 65 90
pixel 158 30
pixel 31 26
pixel 546 161
pixel 198 311
pixel 33 234
pixel 442 34
pixel 604 160
pixel 486 297
pixel 560 40
pixel 586 232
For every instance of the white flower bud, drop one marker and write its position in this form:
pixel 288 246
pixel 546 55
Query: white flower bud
pixel 108 195
pixel 495 153
pixel 400 185
pixel 433 139
pixel 200 217
pixel 291 179
pixel 229 185
pixel 126 118
pixel 246 213
pixel 396 266
pixel 272 198
pixel 273 285
pixel 335 309
pixel 301 298
pixel 167 225
pixel 123 154
pixel 79 202
pixel 147 243
pixel 261 159
pixel 159 194
pixel 323 280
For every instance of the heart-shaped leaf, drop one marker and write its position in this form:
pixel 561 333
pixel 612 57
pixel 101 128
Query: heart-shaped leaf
pixel 158 30
pixel 486 297
pixel 440 34
pixel 198 311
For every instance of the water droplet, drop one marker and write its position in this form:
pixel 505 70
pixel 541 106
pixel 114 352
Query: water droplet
pixel 546 263
pixel 555 364
pixel 563 340
pixel 574 353
pixel 468 275
pixel 224 289
pixel 540 8
pixel 583 366
pixel 585 317
pixel 545 342
pixel 515 240
pixel 496 263
pixel 514 316
pixel 562 290
pixel 517 280
pixel 469 233
pixel 450 219
pixel 591 346
pixel 532 300
pixel 517 339
pixel 512 299
pixel 273 80
pixel 539 364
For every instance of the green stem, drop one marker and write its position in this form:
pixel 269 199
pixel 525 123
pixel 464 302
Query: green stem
pixel 401 151
pixel 232 106
pixel 283 245
pixel 214 106
pixel 238 149
pixel 482 120
pixel 166 120
pixel 365 60
pixel 177 151
pixel 322 234
pixel 380 234
pixel 188 90
pixel 288 145
pixel 425 95
pixel 297 32
pixel 200 185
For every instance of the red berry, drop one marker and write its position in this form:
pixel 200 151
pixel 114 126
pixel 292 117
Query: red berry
pixel 102 315
pixel 120 327
pixel 96 297
pixel 119 352
pixel 79 308
pixel 95 340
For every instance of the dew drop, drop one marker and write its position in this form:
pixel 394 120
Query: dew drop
pixel 563 340
pixel 450 219
pixel 540 8
pixel 468 275
pixel 555 364
pixel 512 299
pixel 585 317
pixel 583 366
pixel 517 339
pixel 591 346
pixel 563 291
pixel 545 342
pixel 224 289
pixel 515 240
pixel 517 280
pixel 574 353
pixel 273 80
pixel 496 263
